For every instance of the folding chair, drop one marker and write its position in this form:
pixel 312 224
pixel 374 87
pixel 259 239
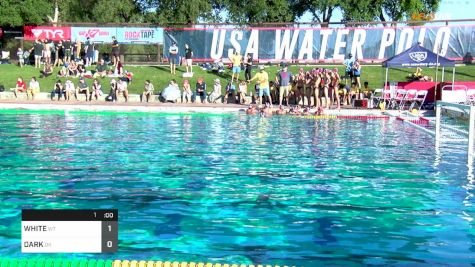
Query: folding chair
pixel 419 100
pixel 409 98
pixel 470 97
pixel 397 100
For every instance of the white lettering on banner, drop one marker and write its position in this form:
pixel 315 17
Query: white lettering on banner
pixel 387 39
pixel 422 35
pixel 442 38
pixel 307 45
pixel 405 40
pixel 359 37
pixel 323 47
pixel 49 34
pixel 285 48
pixel 235 35
pixel 253 44
pixel 217 49
pixel 339 44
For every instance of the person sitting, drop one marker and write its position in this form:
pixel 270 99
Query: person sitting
pixel 230 96
pixel 63 72
pixel 113 91
pixel 367 92
pixel 119 69
pixel 58 89
pixel 69 89
pixel 171 93
pixel 101 69
pixel 73 69
pixel 187 94
pixel 122 89
pixel 216 94
pixel 81 70
pixel 148 91
pixel 96 90
pixel 33 88
pixel 19 87
pixel 82 88
pixel 242 92
pixel 306 111
pixel 47 70
pixel 416 76
pixel 201 89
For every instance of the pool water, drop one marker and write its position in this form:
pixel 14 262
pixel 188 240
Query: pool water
pixel 242 189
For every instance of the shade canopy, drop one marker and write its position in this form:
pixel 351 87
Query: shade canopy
pixel 417 56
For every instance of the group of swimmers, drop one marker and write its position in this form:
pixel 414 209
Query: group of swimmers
pixel 267 110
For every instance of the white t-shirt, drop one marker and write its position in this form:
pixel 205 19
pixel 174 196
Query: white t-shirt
pixel 173 50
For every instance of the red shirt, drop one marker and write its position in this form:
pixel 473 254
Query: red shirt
pixel 21 85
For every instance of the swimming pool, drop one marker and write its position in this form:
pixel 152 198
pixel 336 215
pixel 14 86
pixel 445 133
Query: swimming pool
pixel 241 189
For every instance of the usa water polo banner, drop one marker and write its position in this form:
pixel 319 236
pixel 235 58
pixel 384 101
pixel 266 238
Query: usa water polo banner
pixel 369 44
pixel 140 35
pixel 96 34
pixel 31 33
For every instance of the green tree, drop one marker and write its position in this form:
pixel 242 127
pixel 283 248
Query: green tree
pixel 117 11
pixel 24 12
pixel 257 11
pixel 321 10
pixel 177 11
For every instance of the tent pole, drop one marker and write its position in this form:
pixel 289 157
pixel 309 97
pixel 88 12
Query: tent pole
pixel 443 72
pixel 453 77
pixel 385 84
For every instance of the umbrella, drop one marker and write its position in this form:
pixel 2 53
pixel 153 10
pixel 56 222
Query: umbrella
pixel 171 93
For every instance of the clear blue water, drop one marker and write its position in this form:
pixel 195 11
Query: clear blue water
pixel 240 189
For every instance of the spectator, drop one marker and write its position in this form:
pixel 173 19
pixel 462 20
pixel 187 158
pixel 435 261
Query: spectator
pixel 21 60
pixel 96 90
pixel 216 94
pixel 81 69
pixel 248 65
pixel 367 92
pixel 47 70
pixel 230 96
pixel 348 63
pixel 357 73
pixel 89 50
pixel 59 90
pixel 173 50
pixel 122 89
pixel 59 55
pixel 301 79
pixel 72 69
pixel 101 69
pixel 33 88
pixel 113 91
pixel 77 50
pixel 67 50
pixel 201 89
pixel 119 69
pixel 82 88
pixel 47 51
pixel 284 78
pixel 236 59
pixel 38 50
pixel 189 58
pixel 171 93
pixel 148 91
pixel 115 51
pixel 263 79
pixel 19 87
pixel 242 92
pixel 69 89
pixel 186 92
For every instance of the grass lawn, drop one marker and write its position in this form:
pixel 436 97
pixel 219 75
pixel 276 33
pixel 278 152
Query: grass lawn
pixel 160 75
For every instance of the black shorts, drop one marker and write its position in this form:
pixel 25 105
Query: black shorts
pixel 115 53
pixel 349 74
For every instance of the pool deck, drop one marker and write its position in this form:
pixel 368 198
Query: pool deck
pixel 157 107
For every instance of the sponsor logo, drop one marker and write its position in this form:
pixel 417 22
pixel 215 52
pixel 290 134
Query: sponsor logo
pixel 48 33
pixel 94 33
pixel 418 56
pixel 138 35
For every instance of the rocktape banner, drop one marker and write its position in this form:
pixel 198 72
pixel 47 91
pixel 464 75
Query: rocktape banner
pixel 319 44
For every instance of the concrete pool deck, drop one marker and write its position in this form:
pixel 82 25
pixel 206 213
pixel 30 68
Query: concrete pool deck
pixel 157 107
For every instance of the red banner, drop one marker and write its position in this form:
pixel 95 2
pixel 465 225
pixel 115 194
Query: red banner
pixel 50 33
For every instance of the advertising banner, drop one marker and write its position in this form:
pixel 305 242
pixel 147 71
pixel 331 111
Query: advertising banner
pixel 140 35
pixel 96 34
pixel 11 32
pixel 322 44
pixel 32 33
